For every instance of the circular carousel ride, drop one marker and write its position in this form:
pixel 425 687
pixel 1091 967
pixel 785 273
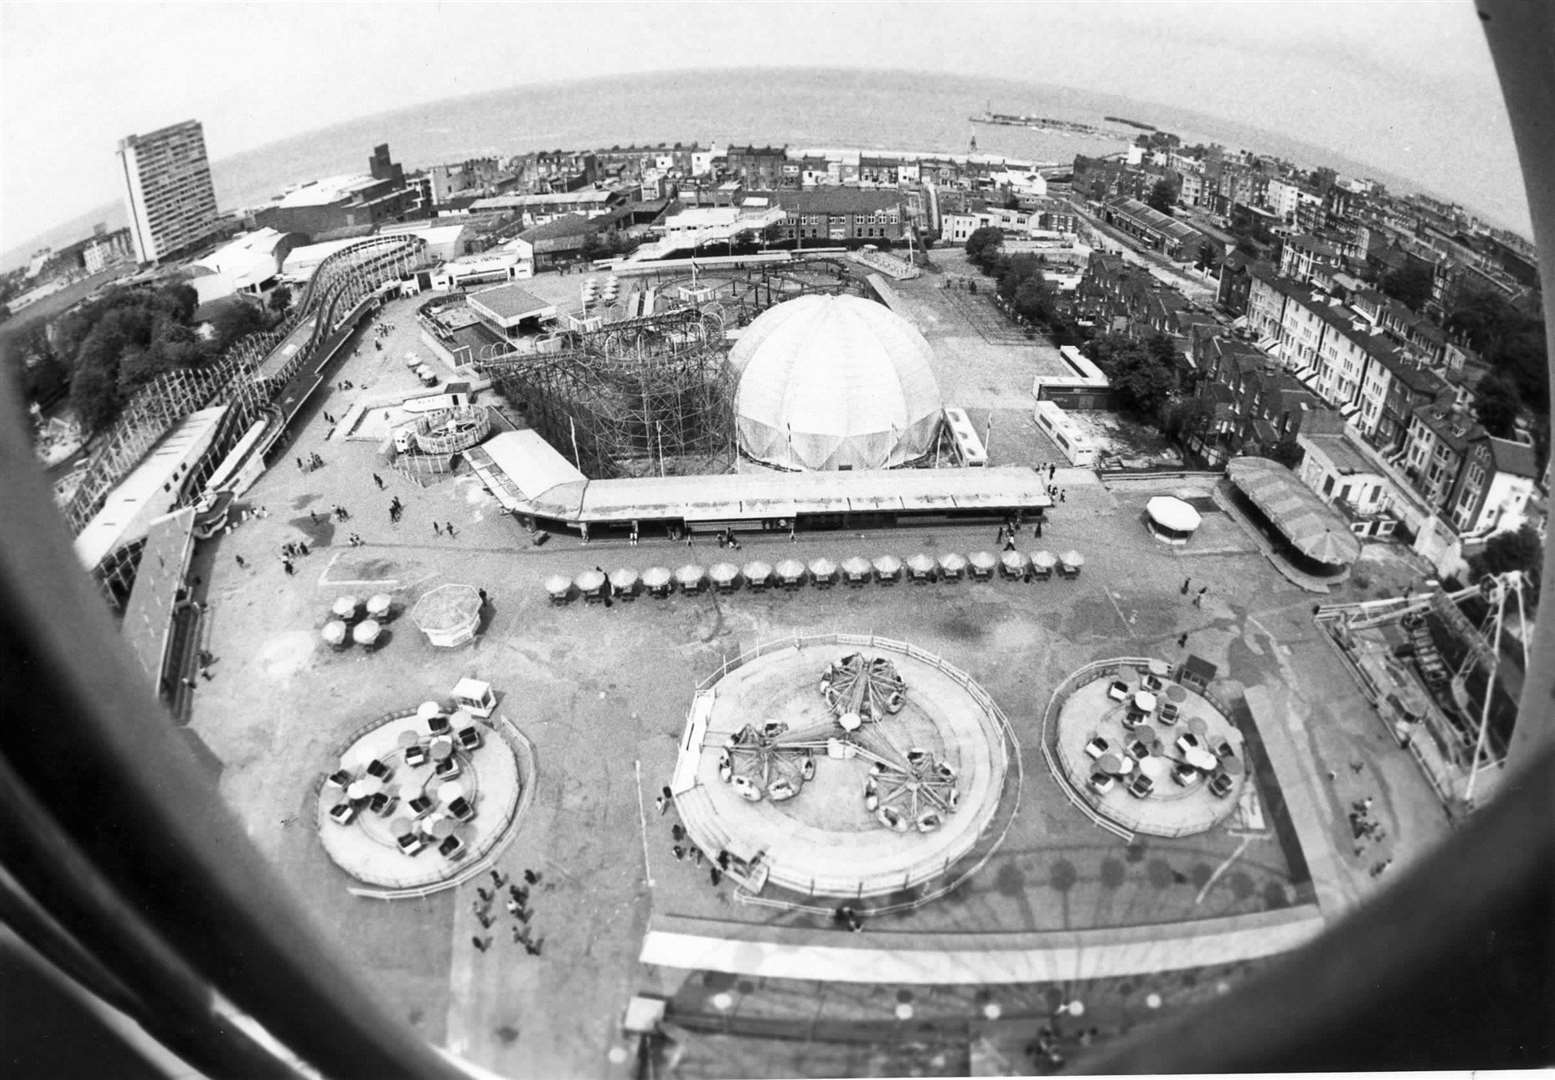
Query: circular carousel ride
pixel 907 788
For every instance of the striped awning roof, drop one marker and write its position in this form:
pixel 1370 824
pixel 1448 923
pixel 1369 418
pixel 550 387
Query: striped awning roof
pixel 1313 527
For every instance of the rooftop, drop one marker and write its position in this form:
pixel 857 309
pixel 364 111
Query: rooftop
pixel 326 191
pixel 1345 453
pixel 509 303
pixel 1516 458
pixel 566 225
pixel 835 200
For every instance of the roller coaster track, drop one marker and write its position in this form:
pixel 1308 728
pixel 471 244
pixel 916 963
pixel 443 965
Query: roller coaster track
pixel 340 284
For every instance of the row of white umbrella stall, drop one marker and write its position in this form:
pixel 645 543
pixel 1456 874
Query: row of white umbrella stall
pixel 660 581
pixel 353 621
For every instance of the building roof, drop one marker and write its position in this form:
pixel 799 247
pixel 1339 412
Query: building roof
pixel 1420 379
pixel 1151 218
pixel 1316 245
pixel 1345 454
pixel 835 200
pixel 121 519
pixel 830 381
pixel 582 197
pixel 1312 526
pixel 148 615
pixel 328 190
pixel 567 225
pixel 1514 457
pixel 510 304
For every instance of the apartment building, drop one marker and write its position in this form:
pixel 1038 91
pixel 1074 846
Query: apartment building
pixel 167 190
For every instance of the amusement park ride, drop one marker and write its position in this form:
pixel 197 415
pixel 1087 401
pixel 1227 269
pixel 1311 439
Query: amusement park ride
pixel 1467 687
pixel 906 789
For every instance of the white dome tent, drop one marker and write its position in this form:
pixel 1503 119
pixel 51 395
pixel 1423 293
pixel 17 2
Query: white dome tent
pixel 834 382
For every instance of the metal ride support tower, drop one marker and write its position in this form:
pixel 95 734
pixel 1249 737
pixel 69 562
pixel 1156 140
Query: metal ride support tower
pixel 1485 653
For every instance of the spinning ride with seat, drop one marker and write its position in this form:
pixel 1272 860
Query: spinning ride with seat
pixel 907 788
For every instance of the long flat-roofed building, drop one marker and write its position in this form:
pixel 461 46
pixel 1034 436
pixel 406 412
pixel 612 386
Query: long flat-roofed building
pixel 167 190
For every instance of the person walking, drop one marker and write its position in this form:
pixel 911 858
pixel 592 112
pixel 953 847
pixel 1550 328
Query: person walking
pixel 1182 640
pixel 437 530
pixel 1198 597
pixel 448 525
pixel 1036 528
pixel 1185 583
pixel 240 560
pixel 290 569
pixel 481 944
pixel 531 877
pixel 378 480
pixel 1063 494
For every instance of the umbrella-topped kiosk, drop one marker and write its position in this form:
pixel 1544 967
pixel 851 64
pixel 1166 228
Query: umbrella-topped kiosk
pixel 1171 520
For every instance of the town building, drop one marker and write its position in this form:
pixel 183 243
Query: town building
pixel 249 264
pixel 337 204
pixel 510 311
pixel 167 190
pixel 1348 475
pixel 840 214
pixel 106 249
pixel 1478 483
pixel 1175 239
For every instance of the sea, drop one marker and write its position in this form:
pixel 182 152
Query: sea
pixel 888 110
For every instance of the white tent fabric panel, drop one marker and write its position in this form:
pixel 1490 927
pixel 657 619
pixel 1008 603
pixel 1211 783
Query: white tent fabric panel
pixel 828 382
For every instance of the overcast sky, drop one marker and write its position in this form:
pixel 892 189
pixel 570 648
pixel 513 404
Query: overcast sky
pixel 74 78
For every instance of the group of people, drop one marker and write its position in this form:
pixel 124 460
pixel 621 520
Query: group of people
pixel 1011 528
pixel 312 461
pixel 683 847
pixel 517 907
pixel 1198 597
pixel 847 915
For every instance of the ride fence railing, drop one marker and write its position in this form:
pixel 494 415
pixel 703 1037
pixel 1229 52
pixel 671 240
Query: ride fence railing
pixel 949 872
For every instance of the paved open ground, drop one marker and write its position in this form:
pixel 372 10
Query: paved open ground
pixel 602 696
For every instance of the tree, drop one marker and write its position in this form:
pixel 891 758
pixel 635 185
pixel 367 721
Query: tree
pixel 1521 550
pixel 1163 196
pixel 1410 284
pixel 281 299
pixel 1496 404
pixel 1209 255
pixel 236 319
pixel 982 247
pixel 1143 375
